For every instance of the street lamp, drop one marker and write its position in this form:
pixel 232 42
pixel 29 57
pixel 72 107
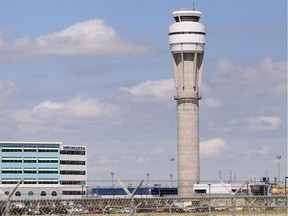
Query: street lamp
pixel 220 174
pixel 278 159
pixel 112 176
pixel 172 170
pixel 158 185
pixel 147 175
pixel 171 176
pixel 286 189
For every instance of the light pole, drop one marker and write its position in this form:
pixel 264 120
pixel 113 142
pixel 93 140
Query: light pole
pixel 171 176
pixel 147 175
pixel 158 185
pixel 172 170
pixel 286 189
pixel 112 176
pixel 278 159
pixel 220 174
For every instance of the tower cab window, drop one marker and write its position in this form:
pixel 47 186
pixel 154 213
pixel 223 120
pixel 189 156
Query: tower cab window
pixel 187 18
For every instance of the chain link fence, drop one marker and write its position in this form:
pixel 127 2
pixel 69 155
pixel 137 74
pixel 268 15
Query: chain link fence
pixel 170 205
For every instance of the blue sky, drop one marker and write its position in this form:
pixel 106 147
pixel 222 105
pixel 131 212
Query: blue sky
pixel 99 73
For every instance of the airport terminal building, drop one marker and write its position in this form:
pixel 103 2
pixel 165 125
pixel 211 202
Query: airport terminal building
pixel 46 169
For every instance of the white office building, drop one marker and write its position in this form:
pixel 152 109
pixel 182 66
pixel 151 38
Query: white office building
pixel 45 169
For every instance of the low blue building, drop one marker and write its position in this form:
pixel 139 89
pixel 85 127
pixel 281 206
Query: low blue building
pixel 141 192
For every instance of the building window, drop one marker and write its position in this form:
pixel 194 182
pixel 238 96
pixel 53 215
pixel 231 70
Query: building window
pixel 9 182
pixel 30 150
pixel 72 182
pixel 30 182
pixel 30 193
pixel 12 150
pixel 47 150
pixel 30 171
pixel 43 193
pixel 47 160
pixel 71 172
pixel 72 192
pixel 47 171
pixel 7 193
pixel 201 191
pixel 72 162
pixel 47 182
pixel 70 152
pixel 17 193
pixel 54 193
pixel 11 171
pixel 12 160
pixel 30 161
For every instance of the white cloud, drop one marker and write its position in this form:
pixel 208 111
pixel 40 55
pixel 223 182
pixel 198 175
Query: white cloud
pixel 3 35
pixel 152 90
pixel 7 89
pixel 266 71
pixel 212 147
pixel 224 68
pixel 264 123
pixel 279 91
pixel 91 37
pixel 157 151
pixel 262 151
pixel 211 103
pixel 76 110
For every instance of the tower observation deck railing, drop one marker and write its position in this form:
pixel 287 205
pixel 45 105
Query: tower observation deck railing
pixel 187 99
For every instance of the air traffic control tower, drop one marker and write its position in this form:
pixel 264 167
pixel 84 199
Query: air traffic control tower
pixel 187 42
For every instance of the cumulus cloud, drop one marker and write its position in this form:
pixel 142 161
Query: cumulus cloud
pixel 224 69
pixel 76 110
pixel 88 38
pixel 264 123
pixel 3 36
pixel 266 71
pixel 279 91
pixel 212 103
pixel 7 89
pixel 212 147
pixel 152 90
pixel 262 151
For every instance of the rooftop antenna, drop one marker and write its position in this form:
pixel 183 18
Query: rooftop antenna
pixel 193 5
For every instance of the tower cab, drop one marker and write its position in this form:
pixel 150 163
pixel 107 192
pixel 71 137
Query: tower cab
pixel 187 15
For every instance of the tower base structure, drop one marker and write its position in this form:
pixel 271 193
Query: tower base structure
pixel 188 145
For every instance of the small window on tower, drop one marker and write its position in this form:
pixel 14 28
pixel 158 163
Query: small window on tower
pixel 176 19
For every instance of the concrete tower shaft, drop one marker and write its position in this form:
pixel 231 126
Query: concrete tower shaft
pixel 187 42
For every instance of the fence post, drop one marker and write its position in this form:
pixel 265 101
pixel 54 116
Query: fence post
pixel 233 205
pixel 7 206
